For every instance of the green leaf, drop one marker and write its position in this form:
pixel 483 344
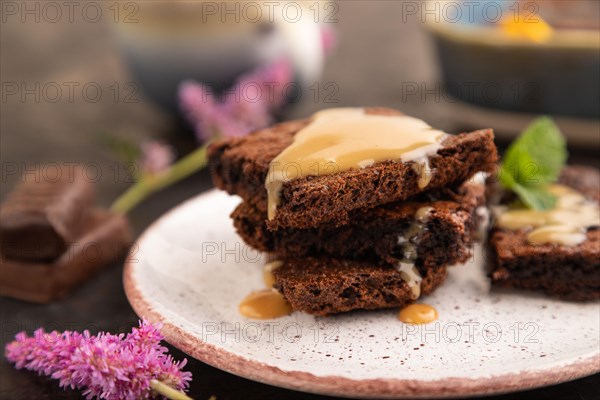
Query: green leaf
pixel 124 149
pixel 506 179
pixel 533 161
pixel 535 197
pixel 538 155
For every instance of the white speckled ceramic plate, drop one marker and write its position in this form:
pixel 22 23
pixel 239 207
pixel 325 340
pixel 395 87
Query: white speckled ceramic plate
pixel 190 270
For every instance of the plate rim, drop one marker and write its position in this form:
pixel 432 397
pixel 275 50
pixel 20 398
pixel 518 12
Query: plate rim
pixel 332 385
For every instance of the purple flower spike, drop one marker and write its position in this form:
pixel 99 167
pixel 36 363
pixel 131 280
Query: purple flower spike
pixel 157 157
pixel 104 366
pixel 248 105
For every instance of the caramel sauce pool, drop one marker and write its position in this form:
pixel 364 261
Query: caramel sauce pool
pixel 265 304
pixel 418 314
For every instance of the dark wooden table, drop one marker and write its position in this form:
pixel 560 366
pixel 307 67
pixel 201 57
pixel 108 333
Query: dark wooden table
pixel 377 52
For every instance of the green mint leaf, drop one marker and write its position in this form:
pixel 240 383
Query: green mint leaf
pixel 538 155
pixel 506 179
pixel 533 161
pixel 533 197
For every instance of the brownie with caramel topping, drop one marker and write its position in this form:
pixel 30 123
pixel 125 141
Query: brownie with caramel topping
pixel 240 166
pixel 568 272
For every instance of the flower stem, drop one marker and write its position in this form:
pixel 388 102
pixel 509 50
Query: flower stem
pixel 168 391
pixel 147 185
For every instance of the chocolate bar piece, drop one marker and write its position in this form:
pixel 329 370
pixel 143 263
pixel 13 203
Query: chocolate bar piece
pixel 44 214
pixel 104 240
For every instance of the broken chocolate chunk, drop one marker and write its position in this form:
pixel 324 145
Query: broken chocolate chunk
pixel 104 240
pixel 43 215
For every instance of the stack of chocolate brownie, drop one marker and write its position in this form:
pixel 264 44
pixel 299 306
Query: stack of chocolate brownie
pixel 362 238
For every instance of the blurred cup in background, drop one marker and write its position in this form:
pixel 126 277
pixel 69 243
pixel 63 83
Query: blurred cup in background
pixel 167 42
pixel 529 56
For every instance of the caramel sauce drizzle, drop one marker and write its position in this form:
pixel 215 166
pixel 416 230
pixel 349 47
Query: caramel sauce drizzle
pixel 340 139
pixel 565 224
pixel 266 303
pixel 409 242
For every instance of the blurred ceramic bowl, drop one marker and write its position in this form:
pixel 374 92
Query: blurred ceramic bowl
pixel 179 40
pixel 483 65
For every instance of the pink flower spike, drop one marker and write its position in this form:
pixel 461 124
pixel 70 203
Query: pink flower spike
pixel 198 104
pixel 157 157
pixel 104 366
pixel 248 105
